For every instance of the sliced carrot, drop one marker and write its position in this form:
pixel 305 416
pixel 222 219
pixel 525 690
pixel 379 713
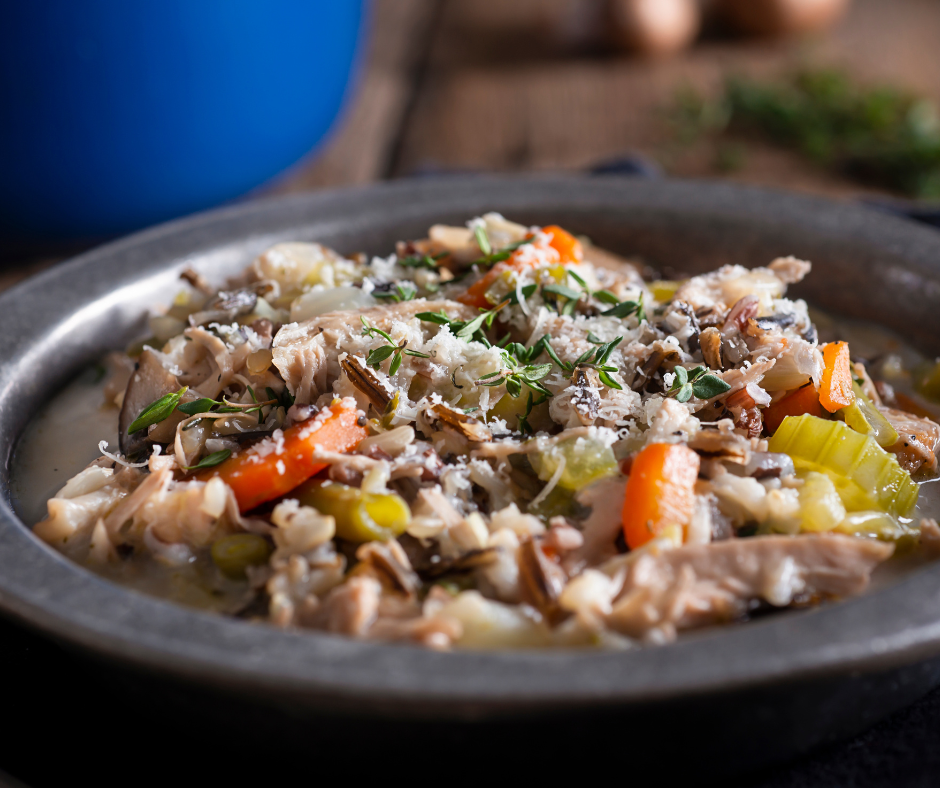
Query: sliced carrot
pixel 796 403
pixel 564 243
pixel 835 392
pixel 660 491
pixel 568 247
pixel 476 293
pixel 256 476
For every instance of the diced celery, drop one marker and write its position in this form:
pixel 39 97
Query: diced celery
pixel 233 554
pixel 865 475
pixel 360 517
pixel 663 289
pixel 586 460
pixel 820 505
pixel 862 416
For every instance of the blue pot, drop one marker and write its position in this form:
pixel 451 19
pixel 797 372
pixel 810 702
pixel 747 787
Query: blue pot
pixel 121 113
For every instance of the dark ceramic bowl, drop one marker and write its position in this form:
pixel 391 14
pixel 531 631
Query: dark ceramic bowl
pixel 746 694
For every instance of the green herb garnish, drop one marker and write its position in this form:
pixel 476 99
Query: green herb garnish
pixel 380 354
pixel 404 291
pixel 594 358
pixel 157 411
pixel 210 460
pixel 698 381
pixel 470 330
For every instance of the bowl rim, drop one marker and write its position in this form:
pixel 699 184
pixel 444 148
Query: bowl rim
pixel 888 628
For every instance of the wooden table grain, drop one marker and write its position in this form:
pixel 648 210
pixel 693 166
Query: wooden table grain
pixel 499 85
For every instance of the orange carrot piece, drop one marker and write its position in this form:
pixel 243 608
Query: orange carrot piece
pixel 796 403
pixel 476 293
pixel 836 389
pixel 660 491
pixel 568 247
pixel 256 478
pixel 564 243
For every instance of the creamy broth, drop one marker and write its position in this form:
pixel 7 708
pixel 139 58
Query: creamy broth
pixel 71 425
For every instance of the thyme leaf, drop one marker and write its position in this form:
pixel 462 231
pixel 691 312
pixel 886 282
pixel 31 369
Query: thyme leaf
pixel 210 460
pixel 157 411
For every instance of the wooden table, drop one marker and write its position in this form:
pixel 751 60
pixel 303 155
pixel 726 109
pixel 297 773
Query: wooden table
pixel 490 85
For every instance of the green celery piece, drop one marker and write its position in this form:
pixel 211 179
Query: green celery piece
pixel 862 416
pixel 865 475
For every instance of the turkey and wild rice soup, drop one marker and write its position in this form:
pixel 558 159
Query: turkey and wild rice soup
pixel 500 436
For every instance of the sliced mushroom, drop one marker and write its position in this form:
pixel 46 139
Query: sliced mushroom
pixel 391 564
pixel 148 383
pixel 710 340
pixel 229 304
pixel 719 443
pixel 588 400
pixel 467 562
pixel 651 367
pixel 541 580
pixel 443 417
pixel 378 391
pixel 197 281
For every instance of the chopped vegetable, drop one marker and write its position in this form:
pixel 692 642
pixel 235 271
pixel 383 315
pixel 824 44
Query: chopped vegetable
pixel 865 475
pixel 360 516
pixel 233 554
pixel 660 491
pixel 568 247
pixel 796 403
pixel 835 391
pixel 569 251
pixel 256 476
pixel 585 461
pixel 821 508
pixel 877 525
pixel 862 416
pixel 664 289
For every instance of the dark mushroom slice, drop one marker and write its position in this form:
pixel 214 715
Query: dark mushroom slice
pixel 710 341
pixel 473 559
pixel 721 445
pixel 197 281
pixel 541 580
pixel 378 391
pixel 687 310
pixel 390 562
pixel 443 417
pixel 147 383
pixel 229 304
pixel 651 367
pixel 588 400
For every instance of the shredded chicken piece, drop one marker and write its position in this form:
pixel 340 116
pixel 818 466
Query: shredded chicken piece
pixel 918 440
pixel 695 585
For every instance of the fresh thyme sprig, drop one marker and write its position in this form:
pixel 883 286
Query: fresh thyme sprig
pixel 157 411
pixel 491 257
pixel 698 381
pixel 593 357
pixel 422 261
pixel 626 308
pixel 380 354
pixel 515 376
pixel 470 330
pixel 524 427
pixel 209 461
pixel 404 291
